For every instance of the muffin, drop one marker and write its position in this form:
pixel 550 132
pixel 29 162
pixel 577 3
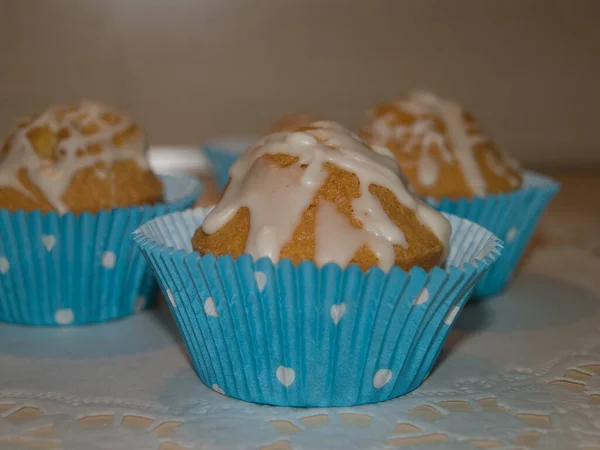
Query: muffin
pixel 441 148
pixel 82 157
pixel 317 192
pixel 459 170
pixel 305 285
pixel 74 185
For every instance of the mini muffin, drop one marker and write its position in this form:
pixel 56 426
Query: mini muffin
pixel 74 185
pixel 441 148
pixel 304 286
pixel 76 158
pixel 459 170
pixel 291 121
pixel 317 192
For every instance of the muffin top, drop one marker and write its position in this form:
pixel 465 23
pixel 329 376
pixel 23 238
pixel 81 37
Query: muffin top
pixel 319 192
pixel 441 148
pixel 88 143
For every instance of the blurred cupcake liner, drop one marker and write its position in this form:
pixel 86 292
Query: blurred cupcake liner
pixel 221 156
pixel 512 217
pixel 291 335
pixel 70 270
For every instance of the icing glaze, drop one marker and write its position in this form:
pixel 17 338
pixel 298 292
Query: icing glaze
pixel 88 125
pixel 462 144
pixel 277 196
pixel 455 141
pixel 501 170
pixel 348 239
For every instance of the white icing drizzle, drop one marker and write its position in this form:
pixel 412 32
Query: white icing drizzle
pixel 266 187
pixel 422 132
pixel 501 169
pixel 382 150
pixel 463 145
pixel 424 105
pixel 277 197
pixel 338 241
pixel 54 177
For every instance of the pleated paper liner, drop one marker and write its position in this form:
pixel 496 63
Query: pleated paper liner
pixel 70 270
pixel 290 335
pixel 512 217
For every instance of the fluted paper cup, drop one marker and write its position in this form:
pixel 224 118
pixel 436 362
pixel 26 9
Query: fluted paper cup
pixel 300 335
pixel 512 217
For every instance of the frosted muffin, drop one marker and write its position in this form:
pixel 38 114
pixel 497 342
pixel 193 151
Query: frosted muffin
pixel 317 192
pixel 264 315
pixel 441 148
pixel 76 158
pixel 74 185
pixel 458 169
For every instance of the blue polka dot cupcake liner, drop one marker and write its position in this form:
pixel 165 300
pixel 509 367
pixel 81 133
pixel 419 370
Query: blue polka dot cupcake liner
pixel 221 157
pixel 299 335
pixel 80 269
pixel 512 217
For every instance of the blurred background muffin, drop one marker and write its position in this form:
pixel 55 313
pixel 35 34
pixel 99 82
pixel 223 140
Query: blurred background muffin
pixel 76 158
pixel 441 148
pixel 63 267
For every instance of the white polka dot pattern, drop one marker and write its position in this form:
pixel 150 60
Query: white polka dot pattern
pixel 285 375
pixel 49 241
pixel 337 311
pixel 381 378
pixel 209 307
pixel 449 320
pixel 109 260
pixel 171 298
pixel 422 298
pixel 4 266
pixel 261 280
pixel 64 316
pixel 511 235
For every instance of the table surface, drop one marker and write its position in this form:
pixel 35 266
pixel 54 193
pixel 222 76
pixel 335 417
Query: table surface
pixel 521 370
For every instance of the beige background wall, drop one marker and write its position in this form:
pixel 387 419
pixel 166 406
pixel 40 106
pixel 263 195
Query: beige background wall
pixel 193 69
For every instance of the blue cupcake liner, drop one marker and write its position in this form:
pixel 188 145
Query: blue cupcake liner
pixel 300 335
pixel 221 155
pixel 79 269
pixel 512 217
